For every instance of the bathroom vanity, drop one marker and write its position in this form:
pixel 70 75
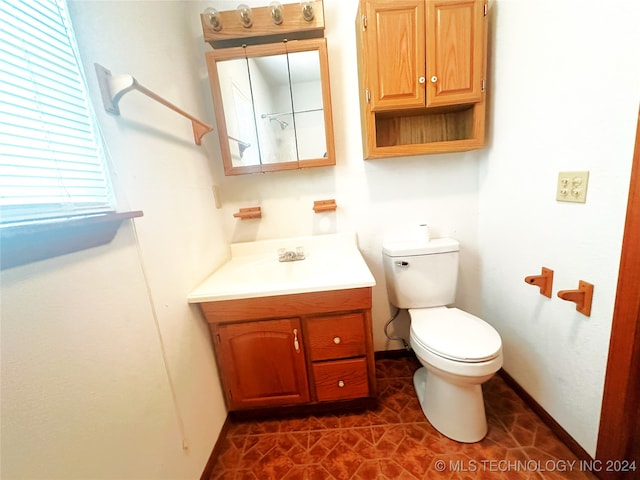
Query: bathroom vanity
pixel 292 333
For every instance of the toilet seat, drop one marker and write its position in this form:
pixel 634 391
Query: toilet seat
pixel 454 334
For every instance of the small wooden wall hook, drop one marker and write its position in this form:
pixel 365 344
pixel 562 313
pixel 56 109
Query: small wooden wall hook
pixel 544 281
pixel 249 213
pixel 324 205
pixel 582 297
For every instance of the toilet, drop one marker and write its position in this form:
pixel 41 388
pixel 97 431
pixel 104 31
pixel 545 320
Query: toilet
pixel 458 351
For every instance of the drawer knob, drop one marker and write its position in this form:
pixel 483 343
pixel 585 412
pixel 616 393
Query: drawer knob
pixel 337 340
pixel 340 383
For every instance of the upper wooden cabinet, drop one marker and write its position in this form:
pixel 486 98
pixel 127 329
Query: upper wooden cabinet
pixel 422 67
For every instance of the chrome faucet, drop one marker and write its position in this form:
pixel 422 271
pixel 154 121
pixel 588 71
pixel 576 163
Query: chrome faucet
pixel 290 255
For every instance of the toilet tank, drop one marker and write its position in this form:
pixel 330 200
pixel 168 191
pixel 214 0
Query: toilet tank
pixel 421 274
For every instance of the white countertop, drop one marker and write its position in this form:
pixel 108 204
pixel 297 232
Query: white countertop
pixel 332 262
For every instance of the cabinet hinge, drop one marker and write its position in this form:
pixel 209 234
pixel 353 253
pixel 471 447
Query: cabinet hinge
pixel 230 394
pixel 483 84
pixel 486 9
pixel 367 95
pixel 218 338
pixel 364 23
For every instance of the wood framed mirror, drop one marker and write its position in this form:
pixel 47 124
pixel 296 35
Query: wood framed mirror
pixel 272 105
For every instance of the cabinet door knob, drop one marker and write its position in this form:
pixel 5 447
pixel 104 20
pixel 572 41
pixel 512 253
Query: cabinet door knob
pixel 337 340
pixel 422 80
pixel 434 79
pixel 340 383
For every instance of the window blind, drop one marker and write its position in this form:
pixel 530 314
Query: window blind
pixel 52 162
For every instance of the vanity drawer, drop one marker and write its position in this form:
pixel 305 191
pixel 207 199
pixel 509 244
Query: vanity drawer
pixel 337 336
pixel 341 379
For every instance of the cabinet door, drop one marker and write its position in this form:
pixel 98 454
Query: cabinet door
pixel 262 363
pixel 395 53
pixel 455 51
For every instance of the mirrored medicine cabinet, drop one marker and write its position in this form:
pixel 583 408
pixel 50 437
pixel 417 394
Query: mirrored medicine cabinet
pixel 272 105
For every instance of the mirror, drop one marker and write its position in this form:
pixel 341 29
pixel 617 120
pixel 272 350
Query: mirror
pixel 272 105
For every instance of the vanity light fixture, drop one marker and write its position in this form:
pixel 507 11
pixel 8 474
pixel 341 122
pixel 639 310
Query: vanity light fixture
pixel 245 14
pixel 275 22
pixel 277 13
pixel 213 17
pixel 307 9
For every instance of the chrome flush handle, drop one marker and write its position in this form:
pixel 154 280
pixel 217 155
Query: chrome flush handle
pixel 402 264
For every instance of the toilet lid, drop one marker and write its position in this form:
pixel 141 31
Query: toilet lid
pixel 454 334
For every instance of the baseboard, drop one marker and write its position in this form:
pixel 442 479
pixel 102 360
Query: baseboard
pixel 215 453
pixel 401 353
pixel 555 427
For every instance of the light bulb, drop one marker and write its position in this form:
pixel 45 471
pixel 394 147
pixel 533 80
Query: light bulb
pixel 213 18
pixel 277 14
pixel 307 9
pixel 245 14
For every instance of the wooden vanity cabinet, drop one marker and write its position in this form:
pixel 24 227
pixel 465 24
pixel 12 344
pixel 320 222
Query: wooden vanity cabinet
pixel 299 349
pixel 421 67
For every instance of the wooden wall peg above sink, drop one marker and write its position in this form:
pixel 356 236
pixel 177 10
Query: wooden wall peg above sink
pixel 325 205
pixel 544 281
pixel 248 213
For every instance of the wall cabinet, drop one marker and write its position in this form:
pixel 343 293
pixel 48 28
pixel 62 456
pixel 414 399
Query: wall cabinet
pixel 422 78
pixel 273 106
pixel 288 350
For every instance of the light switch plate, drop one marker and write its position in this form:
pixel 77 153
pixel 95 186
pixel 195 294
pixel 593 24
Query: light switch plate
pixel 216 196
pixel 572 187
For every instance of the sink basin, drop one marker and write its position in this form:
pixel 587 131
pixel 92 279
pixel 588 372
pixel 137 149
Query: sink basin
pixel 332 262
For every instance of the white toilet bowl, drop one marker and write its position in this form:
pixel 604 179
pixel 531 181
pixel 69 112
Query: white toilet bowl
pixel 458 352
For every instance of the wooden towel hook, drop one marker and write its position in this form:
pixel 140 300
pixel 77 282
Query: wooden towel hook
pixel 544 281
pixel 582 297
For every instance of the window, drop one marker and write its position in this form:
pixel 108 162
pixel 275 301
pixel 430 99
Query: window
pixel 52 162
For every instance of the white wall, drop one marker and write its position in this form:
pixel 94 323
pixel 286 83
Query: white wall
pixel 566 88
pixel 85 393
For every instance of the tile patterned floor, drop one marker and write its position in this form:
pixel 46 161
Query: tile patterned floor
pixel 395 441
